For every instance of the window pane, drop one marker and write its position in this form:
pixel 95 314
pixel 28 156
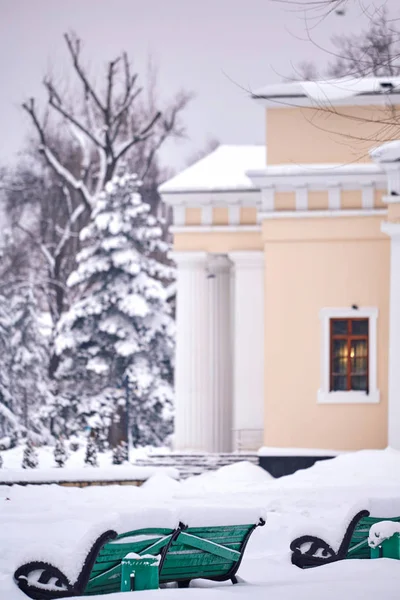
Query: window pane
pixel 359 382
pixel 359 356
pixel 360 327
pixel 340 356
pixel 339 326
pixel 359 366
pixel 339 382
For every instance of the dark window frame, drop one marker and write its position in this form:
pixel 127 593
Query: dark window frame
pixel 349 337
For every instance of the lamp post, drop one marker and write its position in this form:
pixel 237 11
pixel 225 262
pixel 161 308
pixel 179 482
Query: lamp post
pixel 127 412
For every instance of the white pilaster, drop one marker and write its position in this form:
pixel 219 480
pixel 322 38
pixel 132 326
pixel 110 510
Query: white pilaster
pixel 302 198
pixel 393 230
pixel 334 197
pixel 248 344
pixel 203 374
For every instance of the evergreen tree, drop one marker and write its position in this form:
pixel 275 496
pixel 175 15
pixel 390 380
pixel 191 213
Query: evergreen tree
pixel 25 394
pixel 30 459
pixel 1 461
pixel 8 421
pixel 91 453
pixel 30 385
pixel 120 454
pixel 60 453
pixel 116 343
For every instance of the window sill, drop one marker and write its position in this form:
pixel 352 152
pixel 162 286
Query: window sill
pixel 348 397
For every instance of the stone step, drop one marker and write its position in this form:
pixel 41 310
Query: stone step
pixel 189 464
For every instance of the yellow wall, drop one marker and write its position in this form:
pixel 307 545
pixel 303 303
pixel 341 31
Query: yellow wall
pixel 319 135
pixel 350 199
pixel 248 215
pixel 318 200
pixel 193 216
pixel 312 264
pixel 285 201
pixel 218 241
pixel 220 215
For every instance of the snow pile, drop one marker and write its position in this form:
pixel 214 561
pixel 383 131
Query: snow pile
pixel 274 451
pixel 111 473
pixel 59 524
pixel 355 468
pixel 161 485
pixel 238 476
pixel 382 531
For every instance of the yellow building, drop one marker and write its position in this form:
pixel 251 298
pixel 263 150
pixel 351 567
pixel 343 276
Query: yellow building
pixel 288 290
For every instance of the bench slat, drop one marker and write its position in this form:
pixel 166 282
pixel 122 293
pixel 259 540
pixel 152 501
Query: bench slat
pixel 207 546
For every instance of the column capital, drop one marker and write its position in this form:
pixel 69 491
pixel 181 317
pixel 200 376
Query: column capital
pixel 188 258
pixel 218 263
pixel 247 259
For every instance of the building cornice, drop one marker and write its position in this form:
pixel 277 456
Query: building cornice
pixel 215 229
pixel 318 214
pixel 319 177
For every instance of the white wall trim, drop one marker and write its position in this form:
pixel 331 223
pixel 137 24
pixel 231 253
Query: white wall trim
pixel 179 215
pixel 247 258
pixel 286 178
pixel 305 101
pixel 317 214
pixel 334 199
pixel 391 199
pixel 234 214
pixel 215 228
pixel 347 397
pixel 325 396
pixel 391 229
pixel 302 198
pixel 188 258
pixel 207 215
pixel 368 196
pixel 268 199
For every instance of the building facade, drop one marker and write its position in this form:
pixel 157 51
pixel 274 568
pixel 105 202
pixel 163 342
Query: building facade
pixel 288 277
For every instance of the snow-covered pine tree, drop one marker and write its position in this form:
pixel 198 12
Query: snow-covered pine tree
pixel 8 421
pixel 60 453
pixel 30 459
pixel 91 453
pixel 116 343
pixel 29 355
pixel 120 454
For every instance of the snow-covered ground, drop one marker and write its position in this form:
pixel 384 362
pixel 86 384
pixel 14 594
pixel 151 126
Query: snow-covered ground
pixel 59 523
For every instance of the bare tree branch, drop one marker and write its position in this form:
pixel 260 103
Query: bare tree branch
pixel 74 46
pixel 51 158
pixel 55 102
pixel 140 137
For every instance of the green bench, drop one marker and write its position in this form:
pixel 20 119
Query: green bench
pixel 310 551
pixel 123 562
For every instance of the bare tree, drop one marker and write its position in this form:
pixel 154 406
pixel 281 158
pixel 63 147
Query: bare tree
pixel 82 140
pixel 211 144
pixel 373 53
pixel 107 124
pixel 83 137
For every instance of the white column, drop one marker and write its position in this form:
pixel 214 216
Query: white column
pixel 203 411
pixel 393 230
pixel 248 361
pixel 220 355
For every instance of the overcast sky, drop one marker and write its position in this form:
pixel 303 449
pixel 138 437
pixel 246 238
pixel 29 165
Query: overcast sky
pixel 211 47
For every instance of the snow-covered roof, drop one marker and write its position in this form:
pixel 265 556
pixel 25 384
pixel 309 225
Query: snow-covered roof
pixel 329 90
pixel 223 170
